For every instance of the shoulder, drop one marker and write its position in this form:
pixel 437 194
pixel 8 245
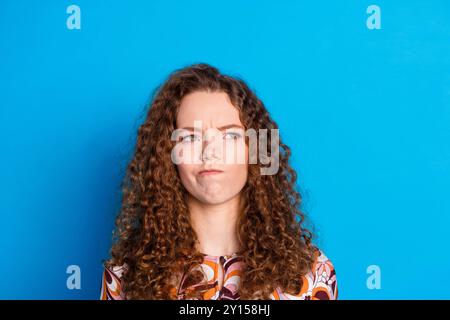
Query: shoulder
pixel 111 286
pixel 320 283
pixel 324 275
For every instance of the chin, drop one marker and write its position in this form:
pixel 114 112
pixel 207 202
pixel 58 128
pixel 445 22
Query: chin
pixel 213 199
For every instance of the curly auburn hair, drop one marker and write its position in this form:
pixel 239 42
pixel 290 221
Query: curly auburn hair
pixel 153 237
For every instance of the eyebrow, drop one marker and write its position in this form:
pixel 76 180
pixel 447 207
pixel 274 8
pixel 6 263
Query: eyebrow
pixel 219 128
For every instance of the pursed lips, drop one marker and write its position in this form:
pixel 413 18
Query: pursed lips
pixel 209 172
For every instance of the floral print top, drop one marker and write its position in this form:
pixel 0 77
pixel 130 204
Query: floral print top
pixel 223 280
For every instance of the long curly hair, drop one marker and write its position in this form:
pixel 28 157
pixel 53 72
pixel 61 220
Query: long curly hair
pixel 153 236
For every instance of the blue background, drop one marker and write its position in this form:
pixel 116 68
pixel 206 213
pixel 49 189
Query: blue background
pixel 366 113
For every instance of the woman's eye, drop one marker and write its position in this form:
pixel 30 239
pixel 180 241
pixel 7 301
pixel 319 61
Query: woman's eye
pixel 232 135
pixel 190 138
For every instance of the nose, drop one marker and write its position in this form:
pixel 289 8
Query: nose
pixel 210 146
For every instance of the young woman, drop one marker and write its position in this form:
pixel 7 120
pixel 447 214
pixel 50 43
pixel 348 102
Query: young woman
pixel 195 224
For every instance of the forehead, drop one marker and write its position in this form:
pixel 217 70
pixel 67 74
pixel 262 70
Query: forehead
pixel 214 109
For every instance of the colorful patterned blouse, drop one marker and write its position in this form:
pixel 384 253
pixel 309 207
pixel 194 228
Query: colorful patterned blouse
pixel 223 279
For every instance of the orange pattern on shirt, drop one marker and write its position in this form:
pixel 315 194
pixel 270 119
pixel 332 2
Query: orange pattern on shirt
pixel 319 284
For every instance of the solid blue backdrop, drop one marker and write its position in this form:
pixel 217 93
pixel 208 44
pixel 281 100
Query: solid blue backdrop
pixel 365 112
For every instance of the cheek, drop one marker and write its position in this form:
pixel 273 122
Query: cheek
pixel 185 173
pixel 234 153
pixel 237 176
pixel 186 154
pixel 237 170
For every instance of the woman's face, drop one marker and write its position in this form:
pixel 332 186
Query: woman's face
pixel 212 155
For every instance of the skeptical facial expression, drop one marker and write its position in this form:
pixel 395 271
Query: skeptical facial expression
pixel 210 152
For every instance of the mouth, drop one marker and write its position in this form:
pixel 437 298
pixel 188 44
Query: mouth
pixel 209 172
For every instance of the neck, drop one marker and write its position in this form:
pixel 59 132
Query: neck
pixel 215 225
